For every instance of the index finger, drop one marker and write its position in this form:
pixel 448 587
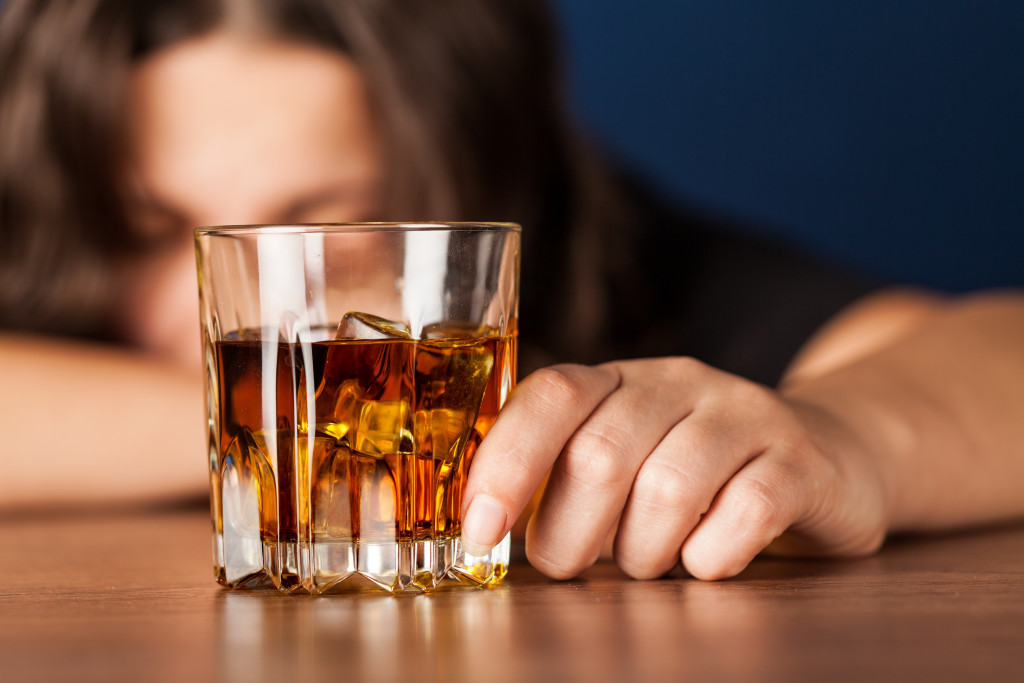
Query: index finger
pixel 530 432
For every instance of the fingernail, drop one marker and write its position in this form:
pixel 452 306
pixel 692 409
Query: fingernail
pixel 483 526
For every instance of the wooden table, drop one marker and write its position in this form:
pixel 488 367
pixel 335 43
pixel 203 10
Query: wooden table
pixel 130 596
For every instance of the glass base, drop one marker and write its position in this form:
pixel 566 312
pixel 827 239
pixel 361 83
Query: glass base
pixel 334 567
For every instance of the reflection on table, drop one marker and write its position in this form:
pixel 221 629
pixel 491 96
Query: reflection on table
pixel 130 597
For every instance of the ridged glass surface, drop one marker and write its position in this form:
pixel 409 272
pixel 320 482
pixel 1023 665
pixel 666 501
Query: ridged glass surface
pixel 340 465
pixel 352 371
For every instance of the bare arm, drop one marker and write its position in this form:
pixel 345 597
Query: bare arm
pixel 89 423
pixel 941 408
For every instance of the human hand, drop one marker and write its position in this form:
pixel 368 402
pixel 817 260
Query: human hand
pixel 692 463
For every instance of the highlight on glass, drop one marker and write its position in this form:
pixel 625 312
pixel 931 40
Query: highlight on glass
pixel 351 373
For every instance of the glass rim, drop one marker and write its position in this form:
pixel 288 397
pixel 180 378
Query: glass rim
pixel 365 226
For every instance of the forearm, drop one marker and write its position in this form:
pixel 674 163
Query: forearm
pixel 88 423
pixel 941 413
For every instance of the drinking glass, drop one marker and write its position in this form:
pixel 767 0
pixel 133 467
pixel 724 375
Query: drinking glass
pixel 351 373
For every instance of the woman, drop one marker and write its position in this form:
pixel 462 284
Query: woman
pixel 127 124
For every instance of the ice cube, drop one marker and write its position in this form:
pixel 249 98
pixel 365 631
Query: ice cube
pixel 338 408
pixel 356 325
pixel 454 330
pixel 369 427
pixel 452 373
pixel 441 433
pixel 384 428
pixel 451 378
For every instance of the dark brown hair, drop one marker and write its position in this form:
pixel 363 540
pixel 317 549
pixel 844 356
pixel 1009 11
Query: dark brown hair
pixel 468 93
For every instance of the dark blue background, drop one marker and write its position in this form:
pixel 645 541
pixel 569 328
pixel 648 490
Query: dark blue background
pixel 886 133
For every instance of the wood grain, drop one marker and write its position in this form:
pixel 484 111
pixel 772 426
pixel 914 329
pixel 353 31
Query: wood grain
pixel 119 596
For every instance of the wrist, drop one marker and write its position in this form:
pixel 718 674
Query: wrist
pixel 858 510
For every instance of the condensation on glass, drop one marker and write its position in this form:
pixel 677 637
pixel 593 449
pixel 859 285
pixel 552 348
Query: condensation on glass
pixel 351 373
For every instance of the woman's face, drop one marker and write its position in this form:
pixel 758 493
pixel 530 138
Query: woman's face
pixel 226 129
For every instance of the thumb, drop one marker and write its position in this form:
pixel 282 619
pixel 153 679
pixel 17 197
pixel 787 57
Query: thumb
pixel 540 416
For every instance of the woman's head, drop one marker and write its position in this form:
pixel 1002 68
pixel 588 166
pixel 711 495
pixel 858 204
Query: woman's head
pixel 235 128
pixel 123 120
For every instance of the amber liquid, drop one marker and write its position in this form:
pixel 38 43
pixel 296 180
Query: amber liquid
pixel 358 441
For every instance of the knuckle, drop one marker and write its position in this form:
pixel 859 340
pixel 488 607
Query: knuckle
pixel 751 396
pixel 560 385
pixel 802 448
pixel 662 487
pixel 802 462
pixel 594 457
pixel 680 368
pixel 759 504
